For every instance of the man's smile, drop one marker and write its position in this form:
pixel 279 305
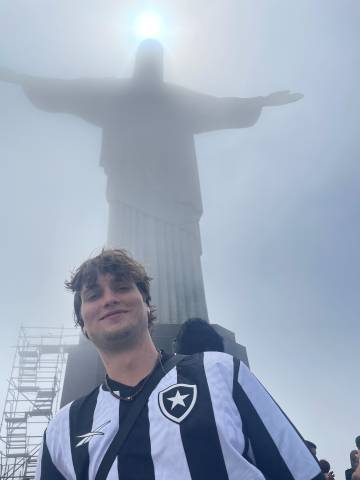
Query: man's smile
pixel 113 313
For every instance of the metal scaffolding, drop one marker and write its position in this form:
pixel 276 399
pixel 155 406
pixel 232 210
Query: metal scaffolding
pixel 33 397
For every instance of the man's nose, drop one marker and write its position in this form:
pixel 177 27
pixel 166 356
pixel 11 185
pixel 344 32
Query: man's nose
pixel 110 298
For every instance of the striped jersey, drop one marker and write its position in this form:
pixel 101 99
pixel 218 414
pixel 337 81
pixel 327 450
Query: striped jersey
pixel 208 418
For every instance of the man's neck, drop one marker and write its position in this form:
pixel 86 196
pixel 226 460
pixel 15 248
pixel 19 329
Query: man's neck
pixel 131 366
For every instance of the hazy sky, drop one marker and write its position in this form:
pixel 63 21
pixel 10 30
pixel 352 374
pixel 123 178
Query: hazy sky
pixel 280 230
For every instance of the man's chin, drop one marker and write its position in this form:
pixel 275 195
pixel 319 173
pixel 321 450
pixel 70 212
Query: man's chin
pixel 114 340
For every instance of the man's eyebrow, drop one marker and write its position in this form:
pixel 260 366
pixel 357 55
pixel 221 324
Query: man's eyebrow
pixel 120 280
pixel 91 286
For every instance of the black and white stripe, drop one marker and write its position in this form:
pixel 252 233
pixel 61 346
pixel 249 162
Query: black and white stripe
pixel 46 467
pixel 135 460
pixel 199 434
pixel 55 460
pixel 81 415
pixel 278 449
pixel 167 448
pixel 234 430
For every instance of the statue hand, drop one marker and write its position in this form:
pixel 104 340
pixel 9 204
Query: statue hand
pixel 281 98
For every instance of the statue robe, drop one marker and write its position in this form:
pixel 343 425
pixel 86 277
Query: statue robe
pixel 153 188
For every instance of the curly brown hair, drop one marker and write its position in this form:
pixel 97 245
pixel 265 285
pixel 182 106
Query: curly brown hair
pixel 116 262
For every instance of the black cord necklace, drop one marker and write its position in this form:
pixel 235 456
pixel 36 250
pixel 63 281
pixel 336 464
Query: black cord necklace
pixel 129 398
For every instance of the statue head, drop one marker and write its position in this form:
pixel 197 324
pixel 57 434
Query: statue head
pixel 149 62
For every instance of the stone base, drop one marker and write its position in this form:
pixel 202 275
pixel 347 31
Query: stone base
pixel 84 368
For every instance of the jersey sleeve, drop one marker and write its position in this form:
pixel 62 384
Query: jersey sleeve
pixel 272 443
pixel 46 469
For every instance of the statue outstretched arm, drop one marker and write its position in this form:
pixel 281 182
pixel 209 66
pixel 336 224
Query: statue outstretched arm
pixel 89 99
pixel 207 113
pixel 226 113
pixel 283 97
pixel 10 76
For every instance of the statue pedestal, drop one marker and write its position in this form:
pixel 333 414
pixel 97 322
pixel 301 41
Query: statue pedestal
pixel 84 368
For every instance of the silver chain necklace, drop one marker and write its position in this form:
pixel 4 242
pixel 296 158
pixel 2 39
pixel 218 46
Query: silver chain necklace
pixel 129 398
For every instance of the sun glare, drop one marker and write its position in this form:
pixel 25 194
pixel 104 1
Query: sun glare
pixel 149 25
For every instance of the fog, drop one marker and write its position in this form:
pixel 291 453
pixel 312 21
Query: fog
pixel 280 229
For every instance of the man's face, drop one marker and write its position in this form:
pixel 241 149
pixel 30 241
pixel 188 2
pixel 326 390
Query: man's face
pixel 114 313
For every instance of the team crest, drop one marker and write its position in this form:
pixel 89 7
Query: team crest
pixel 177 401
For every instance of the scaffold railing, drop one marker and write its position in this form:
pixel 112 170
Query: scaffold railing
pixel 33 397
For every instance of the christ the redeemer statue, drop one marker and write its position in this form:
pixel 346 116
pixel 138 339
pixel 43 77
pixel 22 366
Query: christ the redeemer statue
pixel 148 155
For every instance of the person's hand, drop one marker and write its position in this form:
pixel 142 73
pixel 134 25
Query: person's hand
pixel 281 98
pixel 331 476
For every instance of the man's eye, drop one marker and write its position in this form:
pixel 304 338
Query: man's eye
pixel 120 286
pixel 91 296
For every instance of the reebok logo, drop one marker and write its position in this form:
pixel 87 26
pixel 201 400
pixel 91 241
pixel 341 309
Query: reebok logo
pixel 86 437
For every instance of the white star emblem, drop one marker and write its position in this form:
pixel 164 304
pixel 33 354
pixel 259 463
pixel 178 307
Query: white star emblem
pixel 177 400
pixel 177 415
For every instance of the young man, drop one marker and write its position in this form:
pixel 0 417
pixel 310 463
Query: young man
pixel 207 418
